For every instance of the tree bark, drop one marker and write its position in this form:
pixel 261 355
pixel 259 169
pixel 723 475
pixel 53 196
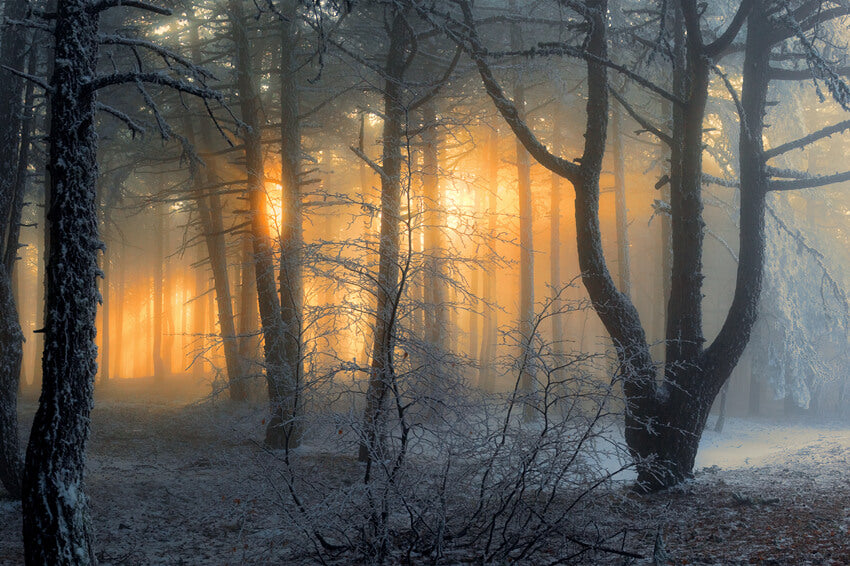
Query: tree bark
pixel 13 44
pixel 56 526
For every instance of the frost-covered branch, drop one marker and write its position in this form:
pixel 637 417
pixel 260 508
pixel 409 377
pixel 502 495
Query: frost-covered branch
pixel 810 183
pixel 102 5
pixel 134 127
pixel 643 122
pixel 807 140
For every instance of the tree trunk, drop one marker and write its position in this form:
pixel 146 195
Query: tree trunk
pixel 489 335
pixel 12 45
pixel 56 526
pixel 382 375
pixel 292 232
pixel 436 310
pixel 280 431
pixel 212 226
pixel 558 343
pixel 158 260
pixel 623 263
pixel 527 383
pixel 249 343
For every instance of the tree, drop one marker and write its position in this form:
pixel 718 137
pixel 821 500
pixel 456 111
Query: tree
pixel 665 419
pixel 56 526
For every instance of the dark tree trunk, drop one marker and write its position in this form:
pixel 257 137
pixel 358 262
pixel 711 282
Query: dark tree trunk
pixel 212 225
pixel 381 375
pixel 282 390
pixel 12 45
pixel 292 231
pixel 56 526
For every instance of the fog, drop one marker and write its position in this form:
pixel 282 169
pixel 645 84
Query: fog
pixel 402 282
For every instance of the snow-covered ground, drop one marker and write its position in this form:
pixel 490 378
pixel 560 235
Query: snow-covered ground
pixel 748 443
pixel 190 485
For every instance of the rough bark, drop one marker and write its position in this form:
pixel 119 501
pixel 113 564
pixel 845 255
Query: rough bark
pixel 56 526
pixel 12 45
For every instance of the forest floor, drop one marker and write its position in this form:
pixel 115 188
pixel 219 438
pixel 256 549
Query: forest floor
pixel 177 483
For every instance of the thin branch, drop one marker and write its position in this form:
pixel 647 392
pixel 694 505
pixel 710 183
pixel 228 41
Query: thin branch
pixel 32 78
pixel 807 140
pixel 811 183
pixel 134 127
pixel 102 5
pixel 644 123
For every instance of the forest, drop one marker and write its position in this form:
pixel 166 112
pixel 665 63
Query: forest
pixel 424 282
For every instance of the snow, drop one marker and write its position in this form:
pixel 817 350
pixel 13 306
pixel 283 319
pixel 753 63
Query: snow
pixel 746 443
pixel 171 484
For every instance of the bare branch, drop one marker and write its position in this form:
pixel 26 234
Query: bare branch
pixel 134 127
pixel 378 169
pixel 807 140
pixel 32 78
pixel 811 183
pixel 644 123
pixel 138 4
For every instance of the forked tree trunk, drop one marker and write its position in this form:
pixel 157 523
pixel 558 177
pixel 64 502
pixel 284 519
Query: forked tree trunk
pixel 381 375
pixel 56 526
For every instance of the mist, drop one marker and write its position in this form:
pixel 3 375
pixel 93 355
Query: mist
pixel 403 282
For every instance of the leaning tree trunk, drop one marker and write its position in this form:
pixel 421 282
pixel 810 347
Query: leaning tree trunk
pixel 56 526
pixel 381 373
pixel 212 226
pixel 281 389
